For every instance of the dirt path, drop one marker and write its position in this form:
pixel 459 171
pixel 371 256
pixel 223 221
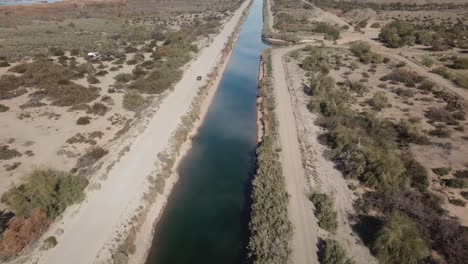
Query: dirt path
pixel 300 208
pixel 87 231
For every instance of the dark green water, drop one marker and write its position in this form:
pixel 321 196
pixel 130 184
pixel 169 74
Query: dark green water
pixel 205 220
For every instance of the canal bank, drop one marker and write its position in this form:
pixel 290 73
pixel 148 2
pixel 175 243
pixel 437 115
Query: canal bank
pixel 205 219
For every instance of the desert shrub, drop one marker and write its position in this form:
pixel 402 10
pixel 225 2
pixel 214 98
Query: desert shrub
pixel 56 51
pixel 457 202
pixel 92 79
pixel 53 80
pixel 49 243
pixel 406 76
pixel 410 133
pixel 400 241
pixel 362 50
pixel 379 101
pixel 157 81
pixel 442 71
pixel 426 85
pixel 330 31
pixel 326 216
pixel 461 63
pixel 3 108
pixel 315 61
pixel 375 25
pixel 463 193
pixel 462 174
pixel 441 132
pixel 130 49
pixel 442 171
pixel 133 101
pixel 124 77
pixel 404 92
pixel 416 172
pixel 455 183
pixel 83 120
pixel 98 109
pixel 6 153
pixel 4 64
pixel 320 85
pixel 446 235
pixel 358 88
pixel 332 253
pixel 440 115
pixel 271 233
pixel 92 155
pixel 427 61
pixel 50 190
pixel 396 34
pixel 21 231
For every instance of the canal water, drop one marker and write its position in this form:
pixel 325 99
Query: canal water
pixel 206 218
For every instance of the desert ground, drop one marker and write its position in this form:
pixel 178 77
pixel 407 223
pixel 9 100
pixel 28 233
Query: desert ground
pixel 416 82
pixel 100 117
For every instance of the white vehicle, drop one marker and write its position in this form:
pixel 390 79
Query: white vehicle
pixel 94 55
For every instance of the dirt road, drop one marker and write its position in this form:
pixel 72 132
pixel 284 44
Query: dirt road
pixel 96 221
pixel 300 208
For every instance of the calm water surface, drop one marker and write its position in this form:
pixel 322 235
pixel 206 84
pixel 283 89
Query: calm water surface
pixel 205 220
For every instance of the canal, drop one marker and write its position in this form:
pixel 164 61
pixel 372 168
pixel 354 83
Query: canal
pixel 206 218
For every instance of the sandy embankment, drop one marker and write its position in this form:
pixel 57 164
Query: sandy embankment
pixel 90 229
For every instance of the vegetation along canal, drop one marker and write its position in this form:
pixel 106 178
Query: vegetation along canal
pixel 205 220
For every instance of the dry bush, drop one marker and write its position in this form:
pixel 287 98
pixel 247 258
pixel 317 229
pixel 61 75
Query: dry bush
pixel 406 76
pixel 445 235
pixel 440 115
pixel 133 101
pixel 92 155
pixel 6 153
pixel 84 120
pixel 98 109
pixel 49 79
pixel 22 231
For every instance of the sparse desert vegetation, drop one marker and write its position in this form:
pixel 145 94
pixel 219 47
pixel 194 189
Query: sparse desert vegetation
pixel 383 130
pixel 73 86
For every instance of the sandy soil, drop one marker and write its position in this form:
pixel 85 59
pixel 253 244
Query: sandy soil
pixel 91 226
pixel 300 208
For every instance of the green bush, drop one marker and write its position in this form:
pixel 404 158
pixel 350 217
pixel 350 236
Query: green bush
pixel 457 202
pixel 326 216
pixel 358 88
pixel 461 63
pixel 408 77
pixel 400 241
pixel 49 243
pixel 427 61
pixel 442 171
pixel 50 190
pixel 362 50
pixel 397 34
pixel 157 81
pixel 98 109
pixel 379 101
pixel 83 120
pixel 330 31
pixel 455 183
pixel 462 174
pixel 124 77
pixel 3 108
pixel 133 101
pixel 333 253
